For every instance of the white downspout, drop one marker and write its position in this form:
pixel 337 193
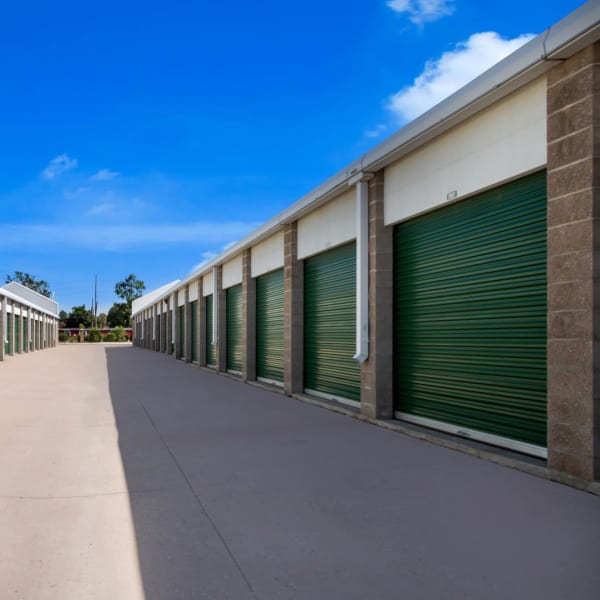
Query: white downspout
pixel 215 322
pixel 362 271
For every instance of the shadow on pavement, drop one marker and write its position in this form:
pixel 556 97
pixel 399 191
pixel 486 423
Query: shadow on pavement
pixel 237 492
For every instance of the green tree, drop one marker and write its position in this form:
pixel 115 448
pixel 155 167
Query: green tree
pixel 79 315
pixel 129 289
pixel 119 315
pixel 29 281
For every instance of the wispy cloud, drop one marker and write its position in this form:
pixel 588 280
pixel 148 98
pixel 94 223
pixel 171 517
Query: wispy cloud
pixel 206 258
pixel 104 175
pixel 101 209
pixel 59 165
pixel 376 131
pixel 451 71
pixel 120 237
pixel 422 11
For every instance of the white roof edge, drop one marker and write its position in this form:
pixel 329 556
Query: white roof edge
pixel 571 34
pixel 23 302
pixel 146 300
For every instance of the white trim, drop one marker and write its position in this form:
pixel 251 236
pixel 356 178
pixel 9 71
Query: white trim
pixel 473 434
pixel 332 397
pixel 234 372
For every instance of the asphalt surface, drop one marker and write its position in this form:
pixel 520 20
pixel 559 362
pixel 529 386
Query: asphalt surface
pixel 127 474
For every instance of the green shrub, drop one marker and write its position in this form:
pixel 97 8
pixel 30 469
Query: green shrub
pixel 72 339
pixel 110 337
pixel 93 335
pixel 119 333
pixel 63 337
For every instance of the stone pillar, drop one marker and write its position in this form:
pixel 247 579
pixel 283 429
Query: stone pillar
pixel 220 305
pixel 187 312
pixel 293 291
pixel 573 104
pixel 168 325
pixel 177 336
pixel 21 328
pixel 376 377
pixel 248 318
pixel 2 325
pixel 201 325
pixel 11 329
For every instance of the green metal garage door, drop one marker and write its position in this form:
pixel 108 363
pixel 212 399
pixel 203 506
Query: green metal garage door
pixel 194 337
pixel 234 329
pixel 470 315
pixel 330 324
pixel 211 355
pixel 8 330
pixel 269 326
pixel 181 344
pixel 17 334
pixel 25 334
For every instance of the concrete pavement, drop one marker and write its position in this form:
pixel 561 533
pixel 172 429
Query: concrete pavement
pixel 126 474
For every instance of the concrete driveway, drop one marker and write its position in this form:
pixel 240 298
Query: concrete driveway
pixel 127 474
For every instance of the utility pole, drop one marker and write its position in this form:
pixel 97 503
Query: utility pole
pixel 95 303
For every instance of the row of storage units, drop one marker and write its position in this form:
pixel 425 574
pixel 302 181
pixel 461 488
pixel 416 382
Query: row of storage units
pixel 28 321
pixel 413 285
pixel 468 291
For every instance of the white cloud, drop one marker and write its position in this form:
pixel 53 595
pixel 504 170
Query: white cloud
pixel 101 209
pixel 119 237
pixel 59 165
pixel 376 131
pixel 451 71
pixel 422 11
pixel 206 258
pixel 104 175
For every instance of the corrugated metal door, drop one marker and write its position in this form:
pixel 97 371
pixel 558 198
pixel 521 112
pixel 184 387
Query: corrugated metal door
pixel 7 347
pixel 211 355
pixel 330 324
pixel 269 326
pixel 17 334
pixel 181 340
pixel 470 314
pixel 234 328
pixel 25 334
pixel 194 338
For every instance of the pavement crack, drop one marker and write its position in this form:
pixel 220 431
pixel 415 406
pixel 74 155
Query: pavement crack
pixel 203 509
pixel 75 496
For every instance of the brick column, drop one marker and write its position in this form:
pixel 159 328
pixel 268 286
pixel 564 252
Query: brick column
pixel 187 314
pixel 573 104
pixel 168 325
pixel 11 337
pixel 163 326
pixel 248 318
pixel 2 325
pixel 201 325
pixel 293 293
pixel 376 377
pixel 177 336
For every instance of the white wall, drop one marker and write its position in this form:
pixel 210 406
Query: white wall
pixel 207 284
pixel 267 255
pixel 330 225
pixel 193 291
pixel 180 296
pixel 502 142
pixel 232 272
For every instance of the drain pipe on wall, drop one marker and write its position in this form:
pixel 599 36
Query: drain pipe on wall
pixel 360 180
pixel 215 319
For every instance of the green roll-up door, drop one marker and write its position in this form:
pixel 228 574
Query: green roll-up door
pixel 211 354
pixel 470 313
pixel 8 322
pixel 330 324
pixel 269 326
pixel 25 335
pixel 194 338
pixel 181 316
pixel 17 334
pixel 234 328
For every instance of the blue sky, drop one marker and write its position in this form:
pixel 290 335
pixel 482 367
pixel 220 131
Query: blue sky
pixel 144 137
